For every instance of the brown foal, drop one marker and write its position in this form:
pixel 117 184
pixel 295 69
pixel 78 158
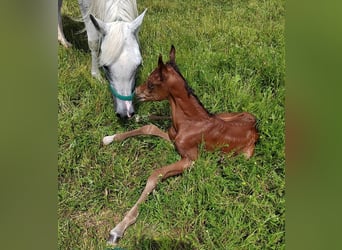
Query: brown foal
pixel 192 124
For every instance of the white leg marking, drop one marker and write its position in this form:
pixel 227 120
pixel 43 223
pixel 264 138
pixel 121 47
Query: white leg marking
pixel 108 139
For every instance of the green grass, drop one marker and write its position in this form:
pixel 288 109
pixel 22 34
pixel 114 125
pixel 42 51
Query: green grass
pixel 232 55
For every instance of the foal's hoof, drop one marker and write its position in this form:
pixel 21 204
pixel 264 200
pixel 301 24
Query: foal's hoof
pixel 113 238
pixel 108 139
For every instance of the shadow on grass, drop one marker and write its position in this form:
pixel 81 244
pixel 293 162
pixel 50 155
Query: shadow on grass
pixel 73 33
pixel 162 244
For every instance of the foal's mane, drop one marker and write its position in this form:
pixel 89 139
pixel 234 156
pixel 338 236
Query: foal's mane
pixel 186 85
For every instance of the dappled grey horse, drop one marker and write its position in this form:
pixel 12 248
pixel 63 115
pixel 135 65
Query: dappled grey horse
pixel 112 28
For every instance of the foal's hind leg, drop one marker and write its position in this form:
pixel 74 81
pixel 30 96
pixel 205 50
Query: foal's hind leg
pixel 158 174
pixel 248 151
pixel 145 130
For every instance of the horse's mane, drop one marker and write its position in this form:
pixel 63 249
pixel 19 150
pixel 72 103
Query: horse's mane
pixel 187 87
pixel 114 10
pixel 115 35
pixel 118 11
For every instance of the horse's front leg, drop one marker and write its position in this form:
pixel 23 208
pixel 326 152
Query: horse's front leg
pixel 61 37
pixel 93 38
pixel 145 130
pixel 159 174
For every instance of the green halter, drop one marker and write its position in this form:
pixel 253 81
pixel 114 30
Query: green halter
pixel 121 97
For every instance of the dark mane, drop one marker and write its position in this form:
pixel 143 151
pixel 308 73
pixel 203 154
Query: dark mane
pixel 187 87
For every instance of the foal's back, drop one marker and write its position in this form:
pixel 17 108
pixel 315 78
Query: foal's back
pixel 232 132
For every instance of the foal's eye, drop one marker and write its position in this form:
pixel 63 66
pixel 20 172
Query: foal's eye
pixel 150 86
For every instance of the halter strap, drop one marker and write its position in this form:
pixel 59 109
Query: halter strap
pixel 121 97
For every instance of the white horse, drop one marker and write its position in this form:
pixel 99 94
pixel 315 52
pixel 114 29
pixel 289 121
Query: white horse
pixel 112 28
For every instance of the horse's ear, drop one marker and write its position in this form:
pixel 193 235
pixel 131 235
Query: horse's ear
pixel 136 23
pixel 173 54
pixel 99 25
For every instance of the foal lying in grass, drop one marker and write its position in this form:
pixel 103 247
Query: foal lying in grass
pixel 192 124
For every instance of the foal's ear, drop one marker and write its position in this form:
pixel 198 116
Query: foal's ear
pixel 161 67
pixel 173 54
pixel 160 61
pixel 99 25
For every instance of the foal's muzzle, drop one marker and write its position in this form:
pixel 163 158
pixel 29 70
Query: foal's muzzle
pixel 139 94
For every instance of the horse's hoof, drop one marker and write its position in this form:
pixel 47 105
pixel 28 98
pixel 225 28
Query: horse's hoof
pixel 96 75
pixel 65 43
pixel 113 238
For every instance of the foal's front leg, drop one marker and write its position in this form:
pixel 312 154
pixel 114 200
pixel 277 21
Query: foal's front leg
pixel 145 130
pixel 158 174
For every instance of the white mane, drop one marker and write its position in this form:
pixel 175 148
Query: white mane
pixel 117 12
pixel 114 10
pixel 111 52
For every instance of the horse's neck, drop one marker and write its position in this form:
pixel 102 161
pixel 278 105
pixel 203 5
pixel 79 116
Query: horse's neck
pixel 185 107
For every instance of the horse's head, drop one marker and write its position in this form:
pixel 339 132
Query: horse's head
pixel 120 58
pixel 158 84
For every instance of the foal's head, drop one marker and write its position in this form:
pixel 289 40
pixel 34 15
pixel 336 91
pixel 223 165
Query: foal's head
pixel 159 83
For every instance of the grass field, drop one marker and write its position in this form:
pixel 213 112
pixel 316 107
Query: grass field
pixel 232 54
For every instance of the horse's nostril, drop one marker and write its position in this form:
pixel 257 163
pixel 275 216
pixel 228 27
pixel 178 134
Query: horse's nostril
pixel 125 116
pixel 131 115
pixel 121 116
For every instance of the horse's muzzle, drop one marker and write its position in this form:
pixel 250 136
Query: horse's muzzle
pixel 125 116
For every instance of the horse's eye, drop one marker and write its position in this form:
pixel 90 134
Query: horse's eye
pixel 105 68
pixel 107 73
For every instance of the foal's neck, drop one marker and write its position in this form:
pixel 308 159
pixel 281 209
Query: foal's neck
pixel 185 106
